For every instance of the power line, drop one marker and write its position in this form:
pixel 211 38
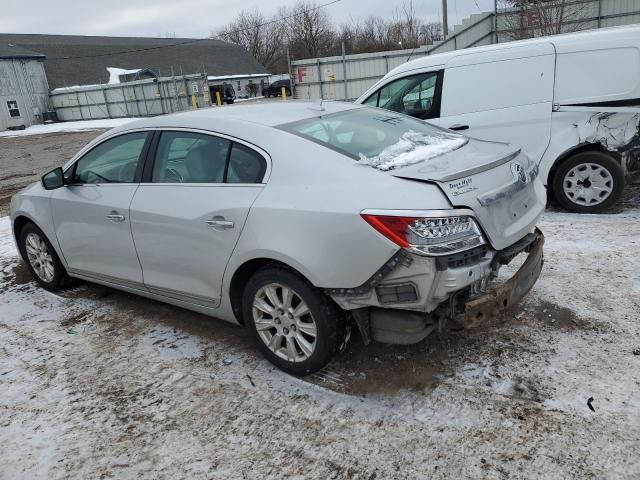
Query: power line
pixel 196 40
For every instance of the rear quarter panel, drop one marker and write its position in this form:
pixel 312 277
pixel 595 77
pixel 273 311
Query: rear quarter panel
pixel 308 215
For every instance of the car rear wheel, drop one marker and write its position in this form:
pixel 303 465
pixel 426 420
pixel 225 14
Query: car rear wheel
pixel 589 182
pixel 42 261
pixel 298 328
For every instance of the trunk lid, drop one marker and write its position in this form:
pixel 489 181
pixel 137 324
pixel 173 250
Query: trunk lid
pixel 496 180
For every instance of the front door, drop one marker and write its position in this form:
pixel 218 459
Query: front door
pixel 91 213
pixel 188 215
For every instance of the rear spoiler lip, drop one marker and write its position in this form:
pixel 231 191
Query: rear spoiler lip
pixel 469 171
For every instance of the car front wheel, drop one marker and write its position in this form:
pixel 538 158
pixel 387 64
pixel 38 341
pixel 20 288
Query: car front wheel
pixel 42 261
pixel 298 328
pixel 589 182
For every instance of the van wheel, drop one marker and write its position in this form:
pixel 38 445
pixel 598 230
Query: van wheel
pixel 42 261
pixel 298 328
pixel 588 182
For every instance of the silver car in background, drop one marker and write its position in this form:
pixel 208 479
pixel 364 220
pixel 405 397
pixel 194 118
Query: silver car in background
pixel 299 220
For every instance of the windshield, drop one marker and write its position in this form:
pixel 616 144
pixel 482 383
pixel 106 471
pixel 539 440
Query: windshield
pixel 378 138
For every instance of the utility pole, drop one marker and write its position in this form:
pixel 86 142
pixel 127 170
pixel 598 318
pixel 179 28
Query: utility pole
pixel 445 22
pixel 495 21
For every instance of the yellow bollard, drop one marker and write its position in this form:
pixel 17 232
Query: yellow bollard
pixel 194 102
pixel 284 93
pixel 218 99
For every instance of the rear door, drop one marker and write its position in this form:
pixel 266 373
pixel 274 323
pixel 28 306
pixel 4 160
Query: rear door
pixel 189 210
pixel 504 95
pixel 91 213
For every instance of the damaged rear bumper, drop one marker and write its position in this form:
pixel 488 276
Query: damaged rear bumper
pixel 400 326
pixel 513 290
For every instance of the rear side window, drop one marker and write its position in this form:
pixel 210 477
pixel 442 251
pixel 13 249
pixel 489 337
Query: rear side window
pixel 416 95
pixel 113 161
pixel 187 157
pixel 245 165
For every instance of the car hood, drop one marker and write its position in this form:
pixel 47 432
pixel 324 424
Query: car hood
pixel 496 180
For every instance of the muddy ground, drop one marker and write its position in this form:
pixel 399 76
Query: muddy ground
pixel 95 383
pixel 24 159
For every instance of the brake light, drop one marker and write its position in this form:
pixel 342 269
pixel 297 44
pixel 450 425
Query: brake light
pixel 429 235
pixel 394 228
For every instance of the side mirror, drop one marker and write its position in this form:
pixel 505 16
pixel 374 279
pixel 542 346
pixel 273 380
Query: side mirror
pixel 53 179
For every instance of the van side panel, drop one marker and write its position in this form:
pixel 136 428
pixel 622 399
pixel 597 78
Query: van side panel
pixel 504 95
pixel 595 76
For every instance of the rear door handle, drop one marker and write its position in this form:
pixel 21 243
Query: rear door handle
pixel 115 218
pixel 219 223
pixel 457 126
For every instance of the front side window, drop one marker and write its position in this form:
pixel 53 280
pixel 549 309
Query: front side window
pixel 187 157
pixel 113 161
pixel 414 95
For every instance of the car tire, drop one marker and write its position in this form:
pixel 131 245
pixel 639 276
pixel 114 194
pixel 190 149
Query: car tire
pixel 42 260
pixel 296 350
pixel 588 182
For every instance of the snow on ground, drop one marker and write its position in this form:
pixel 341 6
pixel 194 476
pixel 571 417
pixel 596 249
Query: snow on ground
pixel 68 127
pixel 101 384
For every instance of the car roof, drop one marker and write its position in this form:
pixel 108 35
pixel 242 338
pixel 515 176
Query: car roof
pixel 267 113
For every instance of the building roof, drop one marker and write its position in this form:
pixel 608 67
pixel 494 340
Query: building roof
pixel 11 50
pixel 79 60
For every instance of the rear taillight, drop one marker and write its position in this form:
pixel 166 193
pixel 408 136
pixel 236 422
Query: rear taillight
pixel 429 235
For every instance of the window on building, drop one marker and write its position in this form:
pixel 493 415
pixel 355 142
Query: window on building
pixel 12 106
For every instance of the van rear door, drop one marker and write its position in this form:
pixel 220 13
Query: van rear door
pixel 504 94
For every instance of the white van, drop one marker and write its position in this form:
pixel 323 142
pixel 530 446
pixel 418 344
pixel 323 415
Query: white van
pixel 571 101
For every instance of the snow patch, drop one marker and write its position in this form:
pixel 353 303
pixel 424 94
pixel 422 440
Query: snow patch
pixel 68 127
pixel 413 147
pixel 114 73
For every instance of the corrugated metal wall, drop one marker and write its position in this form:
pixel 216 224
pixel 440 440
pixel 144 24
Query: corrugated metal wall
pixel 22 81
pixel 324 77
pixel 141 98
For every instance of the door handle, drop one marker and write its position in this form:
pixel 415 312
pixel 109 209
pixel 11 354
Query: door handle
pixel 457 126
pixel 115 218
pixel 219 223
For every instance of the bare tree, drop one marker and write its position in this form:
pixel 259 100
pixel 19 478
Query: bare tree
pixel 535 18
pixel 430 32
pixel 261 37
pixel 309 30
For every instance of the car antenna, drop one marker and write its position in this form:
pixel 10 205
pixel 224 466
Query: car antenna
pixel 317 107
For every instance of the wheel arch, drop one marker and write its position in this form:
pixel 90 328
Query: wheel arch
pixel 567 154
pixel 19 223
pixel 244 272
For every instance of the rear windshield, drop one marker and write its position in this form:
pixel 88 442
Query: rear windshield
pixel 378 138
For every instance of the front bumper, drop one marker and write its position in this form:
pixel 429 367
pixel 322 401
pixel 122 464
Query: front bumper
pixel 513 290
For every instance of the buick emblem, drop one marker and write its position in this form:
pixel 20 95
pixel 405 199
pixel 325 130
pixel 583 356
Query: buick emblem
pixel 519 173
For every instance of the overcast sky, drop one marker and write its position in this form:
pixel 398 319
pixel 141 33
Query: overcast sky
pixel 188 18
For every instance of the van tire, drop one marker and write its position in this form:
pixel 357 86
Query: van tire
pixel 598 163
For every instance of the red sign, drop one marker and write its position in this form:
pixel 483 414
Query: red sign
pixel 301 73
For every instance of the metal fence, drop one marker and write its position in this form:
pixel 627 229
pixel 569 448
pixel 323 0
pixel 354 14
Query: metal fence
pixel 140 98
pixel 347 77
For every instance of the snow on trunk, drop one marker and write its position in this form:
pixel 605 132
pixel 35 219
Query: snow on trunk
pixel 413 147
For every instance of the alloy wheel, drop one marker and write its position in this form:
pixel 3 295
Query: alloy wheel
pixel 588 184
pixel 284 322
pixel 39 257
